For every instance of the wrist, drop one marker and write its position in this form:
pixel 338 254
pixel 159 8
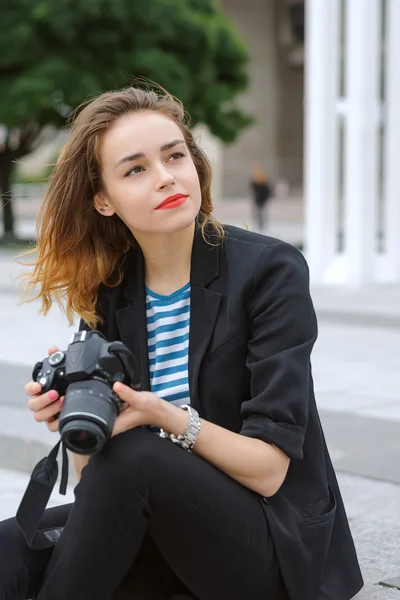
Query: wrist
pixel 188 438
pixel 171 418
pixel 79 462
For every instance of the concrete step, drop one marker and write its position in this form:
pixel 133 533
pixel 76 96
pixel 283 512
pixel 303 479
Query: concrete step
pixel 13 485
pixel 24 442
pixel 378 592
pixel 368 305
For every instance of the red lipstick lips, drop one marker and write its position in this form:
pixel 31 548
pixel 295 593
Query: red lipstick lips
pixel 172 201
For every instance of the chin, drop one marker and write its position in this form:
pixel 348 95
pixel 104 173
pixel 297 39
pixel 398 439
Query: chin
pixel 178 225
pixel 175 221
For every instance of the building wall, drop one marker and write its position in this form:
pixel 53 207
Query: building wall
pixel 290 122
pixel 255 21
pixel 274 97
pixel 291 100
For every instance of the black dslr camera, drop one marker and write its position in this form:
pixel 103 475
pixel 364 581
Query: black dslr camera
pixel 85 373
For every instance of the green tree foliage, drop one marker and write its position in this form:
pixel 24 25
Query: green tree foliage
pixel 54 54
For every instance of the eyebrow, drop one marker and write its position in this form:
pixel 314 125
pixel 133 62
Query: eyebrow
pixel 132 157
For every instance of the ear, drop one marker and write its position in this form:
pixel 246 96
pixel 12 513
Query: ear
pixel 101 204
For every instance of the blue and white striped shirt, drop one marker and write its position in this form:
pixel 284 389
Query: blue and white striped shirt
pixel 168 320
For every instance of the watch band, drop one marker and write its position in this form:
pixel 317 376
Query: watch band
pixel 188 439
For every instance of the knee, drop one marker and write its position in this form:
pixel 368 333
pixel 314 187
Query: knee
pixel 126 452
pixel 134 446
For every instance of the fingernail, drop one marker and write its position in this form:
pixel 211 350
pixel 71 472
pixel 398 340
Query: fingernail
pixel 53 395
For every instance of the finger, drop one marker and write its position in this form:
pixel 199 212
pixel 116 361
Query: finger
pixel 39 402
pixel 120 388
pixel 53 425
pixel 129 419
pixel 48 413
pixel 33 388
pixel 127 394
pixel 124 393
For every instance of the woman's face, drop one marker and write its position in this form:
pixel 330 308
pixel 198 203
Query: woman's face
pixel 145 162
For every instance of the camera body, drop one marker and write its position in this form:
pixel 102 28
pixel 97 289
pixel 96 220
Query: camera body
pixel 85 374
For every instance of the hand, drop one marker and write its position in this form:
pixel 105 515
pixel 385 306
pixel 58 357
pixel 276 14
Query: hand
pixel 141 408
pixel 46 407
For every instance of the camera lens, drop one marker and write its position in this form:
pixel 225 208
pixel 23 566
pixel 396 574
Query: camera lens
pixel 88 416
pixel 83 437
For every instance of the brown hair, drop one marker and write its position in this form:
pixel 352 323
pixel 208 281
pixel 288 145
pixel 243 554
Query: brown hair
pixel 78 249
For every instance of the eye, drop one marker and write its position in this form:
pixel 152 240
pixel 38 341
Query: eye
pixel 134 171
pixel 176 156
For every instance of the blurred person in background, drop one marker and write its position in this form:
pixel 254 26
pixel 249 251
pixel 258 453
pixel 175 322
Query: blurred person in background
pixel 261 192
pixel 245 503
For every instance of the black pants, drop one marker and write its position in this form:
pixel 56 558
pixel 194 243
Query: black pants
pixel 149 520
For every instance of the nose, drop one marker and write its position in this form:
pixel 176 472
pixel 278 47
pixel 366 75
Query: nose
pixel 164 177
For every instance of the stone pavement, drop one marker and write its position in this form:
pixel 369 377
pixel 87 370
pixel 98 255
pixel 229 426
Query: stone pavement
pixel 356 367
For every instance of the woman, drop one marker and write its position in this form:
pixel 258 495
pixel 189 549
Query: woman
pixel 222 323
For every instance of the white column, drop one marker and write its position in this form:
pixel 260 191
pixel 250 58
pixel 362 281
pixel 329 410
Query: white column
pixel 392 141
pixel 321 134
pixel 363 18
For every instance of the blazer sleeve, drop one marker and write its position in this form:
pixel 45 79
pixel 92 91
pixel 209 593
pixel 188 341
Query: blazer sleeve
pixel 283 330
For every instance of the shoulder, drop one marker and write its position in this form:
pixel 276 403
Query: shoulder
pixel 251 239
pixel 246 239
pixel 273 277
pixel 258 252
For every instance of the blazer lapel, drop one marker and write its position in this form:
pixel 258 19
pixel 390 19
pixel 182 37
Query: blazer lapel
pixel 204 305
pixel 131 319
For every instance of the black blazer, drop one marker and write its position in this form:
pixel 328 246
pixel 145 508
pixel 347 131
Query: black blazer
pixel 252 329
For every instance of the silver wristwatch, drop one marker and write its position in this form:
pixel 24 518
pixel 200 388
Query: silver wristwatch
pixel 188 439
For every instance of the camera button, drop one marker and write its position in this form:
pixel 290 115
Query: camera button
pixel 40 374
pixel 43 381
pixel 48 372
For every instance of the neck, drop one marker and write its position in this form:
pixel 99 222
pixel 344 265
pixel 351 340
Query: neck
pixel 167 259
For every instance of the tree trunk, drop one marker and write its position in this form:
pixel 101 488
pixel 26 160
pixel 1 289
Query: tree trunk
pixel 6 168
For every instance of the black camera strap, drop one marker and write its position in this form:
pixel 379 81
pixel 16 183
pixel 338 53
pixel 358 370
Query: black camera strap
pixel 36 496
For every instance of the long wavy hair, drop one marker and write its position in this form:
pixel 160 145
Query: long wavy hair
pixel 77 249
